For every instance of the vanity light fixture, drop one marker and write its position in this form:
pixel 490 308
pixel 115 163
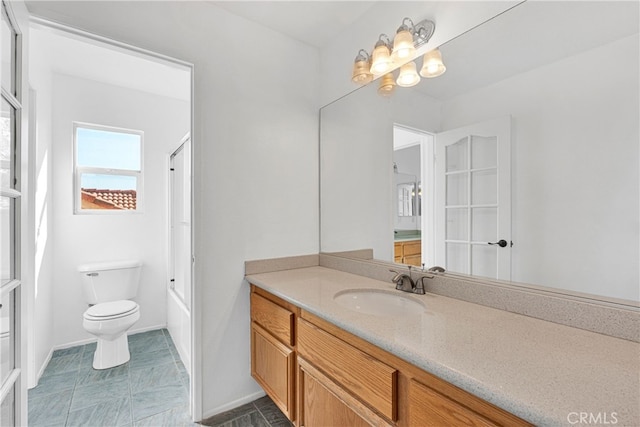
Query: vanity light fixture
pixel 409 37
pixel 387 85
pixel 361 68
pixel 381 61
pixel 408 75
pixel 432 65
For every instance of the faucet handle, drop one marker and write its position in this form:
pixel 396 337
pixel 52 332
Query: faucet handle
pixel 395 278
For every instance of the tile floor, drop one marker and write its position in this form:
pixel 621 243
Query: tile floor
pixel 152 389
pixel 259 413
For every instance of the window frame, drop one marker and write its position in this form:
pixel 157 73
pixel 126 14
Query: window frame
pixel 78 171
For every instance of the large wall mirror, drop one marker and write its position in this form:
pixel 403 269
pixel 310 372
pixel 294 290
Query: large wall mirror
pixel 531 137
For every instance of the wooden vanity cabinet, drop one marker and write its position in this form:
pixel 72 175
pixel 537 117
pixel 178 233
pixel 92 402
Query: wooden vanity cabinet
pixel 273 359
pixel 331 377
pixel 414 398
pixel 323 402
pixel 332 367
pixel 408 252
pixel 429 407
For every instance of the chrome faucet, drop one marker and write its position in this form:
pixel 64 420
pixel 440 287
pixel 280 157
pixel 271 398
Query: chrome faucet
pixel 403 281
pixel 419 289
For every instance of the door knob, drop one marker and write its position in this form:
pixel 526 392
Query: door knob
pixel 502 243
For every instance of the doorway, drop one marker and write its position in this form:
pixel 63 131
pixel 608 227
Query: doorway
pixel 88 79
pixel 473 199
pixel 413 171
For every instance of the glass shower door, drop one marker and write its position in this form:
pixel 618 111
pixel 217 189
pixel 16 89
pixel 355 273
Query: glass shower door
pixel 181 223
pixel 179 292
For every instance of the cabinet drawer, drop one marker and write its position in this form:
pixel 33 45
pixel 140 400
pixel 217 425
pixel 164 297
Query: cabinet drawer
pixel 277 320
pixel 273 367
pixel 374 382
pixel 428 407
pixel 413 260
pixel 412 248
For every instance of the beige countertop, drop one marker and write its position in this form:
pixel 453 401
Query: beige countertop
pixel 543 372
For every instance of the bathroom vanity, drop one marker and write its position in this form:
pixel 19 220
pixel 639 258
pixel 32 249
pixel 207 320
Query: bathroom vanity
pixel 327 361
pixel 364 385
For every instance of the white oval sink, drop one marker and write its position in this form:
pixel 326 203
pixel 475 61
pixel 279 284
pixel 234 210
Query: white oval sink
pixel 379 302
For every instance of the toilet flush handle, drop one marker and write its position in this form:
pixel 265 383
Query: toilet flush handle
pixel 92 274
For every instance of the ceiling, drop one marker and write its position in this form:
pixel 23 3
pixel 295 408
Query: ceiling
pixel 539 33
pixel 65 53
pixel 89 59
pixel 311 22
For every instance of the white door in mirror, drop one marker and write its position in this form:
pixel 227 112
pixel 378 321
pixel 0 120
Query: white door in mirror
pixel 473 199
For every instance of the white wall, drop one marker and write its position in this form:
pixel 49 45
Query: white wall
pixel 357 135
pixel 255 142
pixel 41 331
pixel 81 239
pixel 553 108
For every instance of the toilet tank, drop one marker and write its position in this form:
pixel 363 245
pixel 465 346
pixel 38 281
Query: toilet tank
pixel 110 281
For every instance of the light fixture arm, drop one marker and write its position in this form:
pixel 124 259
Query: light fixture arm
pixel 363 55
pixel 423 31
pixel 406 27
pixel 382 42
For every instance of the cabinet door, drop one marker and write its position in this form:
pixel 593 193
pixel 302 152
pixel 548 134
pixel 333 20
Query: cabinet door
pixel 324 403
pixel 371 380
pixel 273 367
pixel 397 250
pixel 427 407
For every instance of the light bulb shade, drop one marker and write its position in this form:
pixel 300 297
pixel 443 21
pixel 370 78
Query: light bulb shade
pixel 361 74
pixel 403 45
pixel 387 85
pixel 432 65
pixel 408 75
pixel 380 59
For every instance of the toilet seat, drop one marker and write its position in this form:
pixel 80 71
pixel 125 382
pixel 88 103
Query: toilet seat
pixel 111 310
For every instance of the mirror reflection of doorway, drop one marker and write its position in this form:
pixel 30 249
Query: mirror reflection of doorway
pixel 473 199
pixel 412 171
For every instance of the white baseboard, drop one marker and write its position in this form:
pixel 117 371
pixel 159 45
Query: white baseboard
pixel 83 342
pixel 94 339
pixel 42 368
pixel 232 405
pixel 146 329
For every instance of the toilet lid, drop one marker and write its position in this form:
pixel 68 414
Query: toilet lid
pixel 110 309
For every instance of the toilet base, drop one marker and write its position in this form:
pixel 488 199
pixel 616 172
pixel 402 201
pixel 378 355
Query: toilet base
pixel 111 353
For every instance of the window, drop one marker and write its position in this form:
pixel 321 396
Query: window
pixel 108 169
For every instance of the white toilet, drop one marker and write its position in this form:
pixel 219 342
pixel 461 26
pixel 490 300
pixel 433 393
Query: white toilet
pixel 109 288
